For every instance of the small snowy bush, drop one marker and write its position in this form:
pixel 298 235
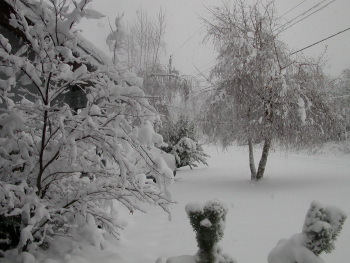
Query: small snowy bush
pixel 321 228
pixel 183 142
pixel 208 222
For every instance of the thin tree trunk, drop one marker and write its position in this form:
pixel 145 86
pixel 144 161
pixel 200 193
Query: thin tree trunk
pixel 251 160
pixel 263 160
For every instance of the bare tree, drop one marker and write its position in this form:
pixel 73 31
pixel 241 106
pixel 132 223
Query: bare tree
pixel 145 42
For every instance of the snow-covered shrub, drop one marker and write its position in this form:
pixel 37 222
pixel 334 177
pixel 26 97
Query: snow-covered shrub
pixel 208 222
pixel 182 141
pixel 321 228
pixel 62 169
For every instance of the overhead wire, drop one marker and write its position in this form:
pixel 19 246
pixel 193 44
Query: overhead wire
pixel 320 41
pixel 301 15
pixel 198 71
pixel 321 8
pixel 290 10
pixel 283 29
pixel 340 32
pixel 187 40
pixel 201 72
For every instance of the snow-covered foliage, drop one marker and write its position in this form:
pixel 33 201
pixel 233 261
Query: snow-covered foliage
pixel 182 140
pixel 321 228
pixel 208 221
pixel 62 168
pixel 340 89
pixel 260 94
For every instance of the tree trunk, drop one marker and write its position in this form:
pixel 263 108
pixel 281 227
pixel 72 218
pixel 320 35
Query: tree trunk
pixel 251 160
pixel 263 160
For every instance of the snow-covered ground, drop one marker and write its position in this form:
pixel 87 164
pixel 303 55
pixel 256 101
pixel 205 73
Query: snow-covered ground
pixel 260 213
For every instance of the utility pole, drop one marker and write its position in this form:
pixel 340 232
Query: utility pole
pixel 170 63
pixel 170 66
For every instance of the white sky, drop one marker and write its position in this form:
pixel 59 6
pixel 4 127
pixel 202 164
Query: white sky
pixel 183 21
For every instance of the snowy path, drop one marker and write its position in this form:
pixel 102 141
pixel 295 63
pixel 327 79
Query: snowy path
pixel 260 213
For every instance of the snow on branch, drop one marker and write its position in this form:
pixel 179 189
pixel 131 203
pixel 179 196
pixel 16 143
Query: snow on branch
pixel 71 137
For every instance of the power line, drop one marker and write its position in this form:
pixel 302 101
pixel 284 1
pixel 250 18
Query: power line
pixel 204 89
pixel 302 14
pixel 320 41
pixel 291 9
pixel 288 11
pixel 211 67
pixel 188 39
pixel 201 73
pixel 321 8
pixel 197 69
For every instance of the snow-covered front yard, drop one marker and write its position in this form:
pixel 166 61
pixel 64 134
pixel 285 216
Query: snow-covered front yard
pixel 260 213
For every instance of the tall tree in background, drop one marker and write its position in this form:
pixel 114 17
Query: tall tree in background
pixel 143 47
pixel 261 95
pixel 341 100
pixel 145 42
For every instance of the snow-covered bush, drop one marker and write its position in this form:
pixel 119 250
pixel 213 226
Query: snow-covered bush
pixel 182 141
pixel 63 168
pixel 321 228
pixel 208 221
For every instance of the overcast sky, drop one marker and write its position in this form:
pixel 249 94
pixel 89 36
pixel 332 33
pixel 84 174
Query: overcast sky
pixel 183 22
